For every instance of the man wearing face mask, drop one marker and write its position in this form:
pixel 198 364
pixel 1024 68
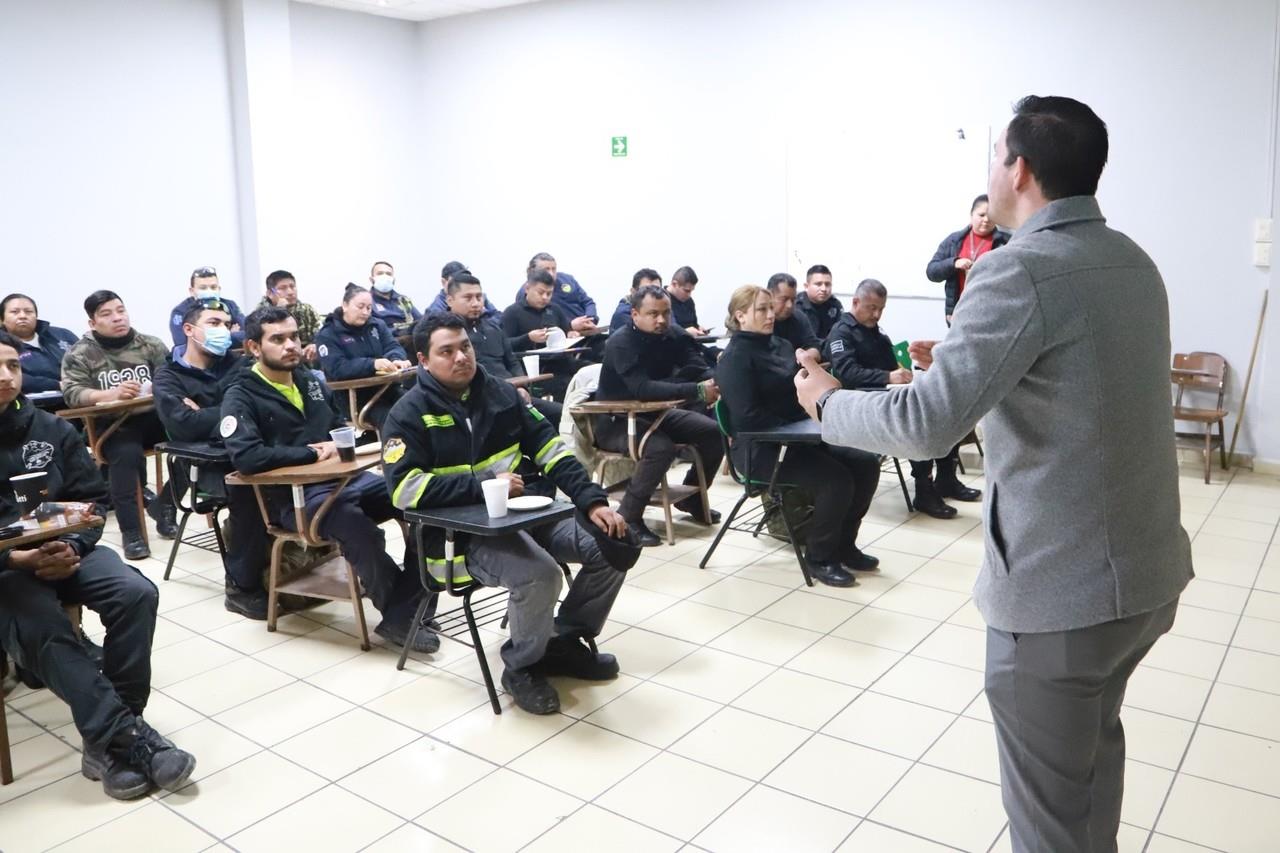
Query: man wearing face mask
pixel 188 393
pixel 205 288
pixel 388 305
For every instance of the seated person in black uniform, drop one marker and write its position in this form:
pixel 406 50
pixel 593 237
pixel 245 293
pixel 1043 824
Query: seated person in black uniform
pixel 189 392
pixel 35 582
pixel 526 323
pixel 622 314
pixel 280 415
pixel 684 313
pixel 817 304
pixel 492 348
pixel 756 377
pixel 650 360
pixel 862 356
pixel 42 345
pixel 788 323
pixel 440 304
pixel 353 344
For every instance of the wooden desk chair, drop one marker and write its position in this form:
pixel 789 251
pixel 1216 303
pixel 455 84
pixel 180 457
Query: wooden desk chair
pixel 333 579
pixel 666 494
pixel 1201 372
pixel 6 758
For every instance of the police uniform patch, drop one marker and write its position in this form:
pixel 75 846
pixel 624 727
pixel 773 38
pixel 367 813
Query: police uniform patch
pixel 323 350
pixel 837 346
pixel 227 428
pixel 393 451
pixel 832 312
pixel 566 287
pixel 37 455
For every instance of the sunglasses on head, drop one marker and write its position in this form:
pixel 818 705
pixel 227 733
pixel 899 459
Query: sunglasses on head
pixel 203 272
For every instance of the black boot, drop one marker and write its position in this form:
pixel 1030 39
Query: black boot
pixel 164 513
pixel 166 765
pixel 120 780
pixel 860 562
pixel 929 502
pixel 949 485
pixel 644 537
pixel 531 691
pixel 567 654
pixel 249 603
pixel 693 506
pixel 425 641
pixel 135 547
pixel 831 574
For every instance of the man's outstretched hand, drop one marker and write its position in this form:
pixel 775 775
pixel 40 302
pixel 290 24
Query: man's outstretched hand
pixel 608 520
pixel 812 382
pixel 921 353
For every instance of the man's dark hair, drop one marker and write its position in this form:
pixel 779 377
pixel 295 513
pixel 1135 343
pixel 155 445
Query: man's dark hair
pixel 203 272
pixel 8 340
pixel 982 199
pixel 457 280
pixel 1063 142
pixel 375 266
pixel 428 325
pixel 273 280
pixel 453 268
pixel 642 274
pixel 97 299
pixel 684 275
pixel 780 278
pixel 817 269
pixel 637 298
pixel 264 316
pixel 193 313
pixel 541 256
pixel 12 296
pixel 541 277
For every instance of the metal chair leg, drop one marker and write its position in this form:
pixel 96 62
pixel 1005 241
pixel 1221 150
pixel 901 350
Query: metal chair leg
pixel 666 510
pixel 723 529
pixel 484 661
pixel 902 481
pixel 795 545
pixel 413 629
pixel 177 540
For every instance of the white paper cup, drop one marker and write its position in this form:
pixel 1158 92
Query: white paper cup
pixel 530 365
pixel 495 496
pixel 556 338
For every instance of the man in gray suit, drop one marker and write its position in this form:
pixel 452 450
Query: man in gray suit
pixel 1061 347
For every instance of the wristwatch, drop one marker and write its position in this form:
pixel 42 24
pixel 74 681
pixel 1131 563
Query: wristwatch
pixel 822 401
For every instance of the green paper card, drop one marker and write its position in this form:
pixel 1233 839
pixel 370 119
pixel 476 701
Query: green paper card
pixel 901 354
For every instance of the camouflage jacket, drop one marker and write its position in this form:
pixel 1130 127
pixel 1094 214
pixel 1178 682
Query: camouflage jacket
pixel 88 366
pixel 308 319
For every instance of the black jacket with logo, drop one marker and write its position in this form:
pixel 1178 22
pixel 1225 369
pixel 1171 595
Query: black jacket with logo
pixel 264 431
pixel 33 440
pixel 205 388
pixel 348 352
pixel 437 448
pixel 642 366
pixel 493 348
pixel 821 317
pixel 860 357
pixel 42 365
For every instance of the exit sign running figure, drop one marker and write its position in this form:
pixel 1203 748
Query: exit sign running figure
pixel 619 146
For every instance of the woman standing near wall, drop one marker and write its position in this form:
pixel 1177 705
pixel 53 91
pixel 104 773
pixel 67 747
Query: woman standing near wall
pixel 958 252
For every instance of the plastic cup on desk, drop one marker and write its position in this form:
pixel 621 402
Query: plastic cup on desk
pixel 530 365
pixel 495 496
pixel 344 439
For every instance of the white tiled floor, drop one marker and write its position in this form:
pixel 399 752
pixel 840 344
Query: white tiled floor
pixel 753 714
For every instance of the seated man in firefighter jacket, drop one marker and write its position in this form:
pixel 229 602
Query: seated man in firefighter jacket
pixel 189 392
pixel 119 747
pixel 280 415
pixel 459 426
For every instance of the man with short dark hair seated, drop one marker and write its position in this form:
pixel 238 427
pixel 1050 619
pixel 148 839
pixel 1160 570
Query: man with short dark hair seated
pixel 684 312
pixel 622 313
pixel 649 359
pixel 527 321
pixel 114 362
pixel 788 323
pixel 818 304
pixel 189 394
pixel 282 291
pixel 460 426
pixel 441 303
pixel 862 356
pixel 280 415
pixel 491 345
pixel 205 287
pixel 35 582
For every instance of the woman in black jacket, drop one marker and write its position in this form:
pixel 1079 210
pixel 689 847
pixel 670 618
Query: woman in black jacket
pixel 958 252
pixel 756 380
pixel 43 346
pixel 353 344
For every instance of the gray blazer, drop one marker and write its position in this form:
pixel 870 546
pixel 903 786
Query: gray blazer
pixel 1061 347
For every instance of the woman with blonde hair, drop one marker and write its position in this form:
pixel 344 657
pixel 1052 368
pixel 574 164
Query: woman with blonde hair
pixel 757 391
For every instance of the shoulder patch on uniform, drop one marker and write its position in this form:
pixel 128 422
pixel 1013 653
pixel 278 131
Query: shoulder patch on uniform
pixel 177 320
pixel 227 427
pixel 832 312
pixel 314 391
pixel 567 288
pixel 393 451
pixel 37 455
pixel 837 346
pixel 323 350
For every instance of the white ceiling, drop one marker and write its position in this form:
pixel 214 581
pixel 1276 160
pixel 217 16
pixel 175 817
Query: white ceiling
pixel 417 10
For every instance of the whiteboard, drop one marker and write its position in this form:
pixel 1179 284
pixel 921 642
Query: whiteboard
pixel 874 201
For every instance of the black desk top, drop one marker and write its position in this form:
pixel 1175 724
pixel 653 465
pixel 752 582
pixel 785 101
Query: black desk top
pixel 798 432
pixel 474 518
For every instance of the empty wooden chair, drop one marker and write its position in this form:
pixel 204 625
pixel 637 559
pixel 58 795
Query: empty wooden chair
pixel 1201 372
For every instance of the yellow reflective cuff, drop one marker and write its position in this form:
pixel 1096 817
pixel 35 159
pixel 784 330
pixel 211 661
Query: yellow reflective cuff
pixel 409 492
pixel 551 463
pixel 445 420
pixel 452 469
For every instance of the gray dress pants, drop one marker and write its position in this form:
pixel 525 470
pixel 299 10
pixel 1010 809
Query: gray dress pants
pixel 1056 699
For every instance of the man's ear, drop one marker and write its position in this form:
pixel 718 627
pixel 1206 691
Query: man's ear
pixel 1022 176
pixel 422 360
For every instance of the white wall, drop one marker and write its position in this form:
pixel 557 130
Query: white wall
pixel 116 163
pixel 710 92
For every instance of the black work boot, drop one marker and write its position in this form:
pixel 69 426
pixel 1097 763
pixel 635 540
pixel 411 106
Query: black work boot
pixel 249 603
pixel 164 514
pixel 644 537
pixel 831 574
pixel 949 485
pixel 531 691
pixel 568 654
pixel 135 547
pixel 930 502
pixel 120 780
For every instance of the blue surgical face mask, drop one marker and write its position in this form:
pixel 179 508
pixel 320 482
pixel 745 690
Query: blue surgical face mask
pixel 217 340
pixel 208 295
pixel 383 283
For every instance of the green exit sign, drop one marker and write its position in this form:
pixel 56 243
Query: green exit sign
pixel 619 144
